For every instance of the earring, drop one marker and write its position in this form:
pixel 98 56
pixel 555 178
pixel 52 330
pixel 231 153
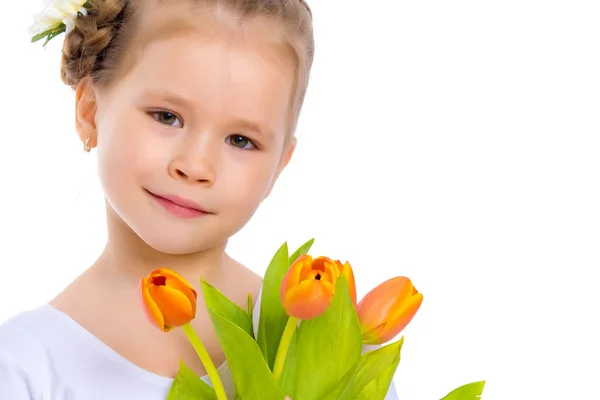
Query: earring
pixel 86 145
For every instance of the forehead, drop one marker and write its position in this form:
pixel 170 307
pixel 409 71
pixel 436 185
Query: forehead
pixel 226 70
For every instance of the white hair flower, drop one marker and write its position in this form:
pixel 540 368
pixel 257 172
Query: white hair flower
pixel 57 16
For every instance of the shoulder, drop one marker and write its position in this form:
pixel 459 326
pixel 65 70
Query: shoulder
pixel 24 363
pixel 35 340
pixel 241 281
pixel 22 334
pixel 245 275
pixel 244 282
pixel 15 381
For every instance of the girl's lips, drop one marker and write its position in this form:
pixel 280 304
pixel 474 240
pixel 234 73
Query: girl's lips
pixel 179 206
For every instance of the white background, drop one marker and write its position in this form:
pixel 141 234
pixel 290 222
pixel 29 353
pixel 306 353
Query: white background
pixel 454 142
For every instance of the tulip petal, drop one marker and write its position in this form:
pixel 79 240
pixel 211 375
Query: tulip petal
pixel 149 306
pixel 308 299
pixel 372 335
pixel 175 306
pixel 177 282
pixel 172 276
pixel 399 321
pixel 409 305
pixel 349 275
pixel 385 296
pixel 392 304
pixel 310 270
pixel 292 277
pixel 330 269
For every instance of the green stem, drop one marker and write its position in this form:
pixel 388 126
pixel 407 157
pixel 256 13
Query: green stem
pixel 206 361
pixel 284 345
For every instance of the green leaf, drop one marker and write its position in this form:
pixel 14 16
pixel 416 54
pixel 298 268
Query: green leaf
pixel 324 350
pixel 40 36
pixel 250 305
pixel 378 388
pixel 220 304
pixel 371 377
pixel 50 34
pixel 252 377
pixel 188 386
pixel 301 250
pixel 470 391
pixel 272 317
pixel 251 314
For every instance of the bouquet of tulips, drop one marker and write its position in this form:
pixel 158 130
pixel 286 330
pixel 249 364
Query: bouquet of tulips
pixel 313 337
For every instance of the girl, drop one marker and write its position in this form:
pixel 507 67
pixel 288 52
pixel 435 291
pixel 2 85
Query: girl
pixel 191 106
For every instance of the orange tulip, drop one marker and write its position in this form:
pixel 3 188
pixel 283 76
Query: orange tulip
pixel 308 287
pixel 168 300
pixel 386 310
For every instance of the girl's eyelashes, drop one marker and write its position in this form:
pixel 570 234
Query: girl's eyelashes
pixel 167 118
pixel 241 142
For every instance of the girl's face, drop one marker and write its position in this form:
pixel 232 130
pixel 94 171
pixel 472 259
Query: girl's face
pixel 192 138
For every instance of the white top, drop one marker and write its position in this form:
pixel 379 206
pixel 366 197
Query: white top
pixel 46 355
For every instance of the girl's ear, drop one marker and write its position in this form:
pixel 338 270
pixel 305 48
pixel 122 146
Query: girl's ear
pixel 287 155
pixel 85 112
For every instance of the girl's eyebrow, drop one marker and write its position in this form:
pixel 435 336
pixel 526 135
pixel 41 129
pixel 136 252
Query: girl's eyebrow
pixel 260 129
pixel 170 97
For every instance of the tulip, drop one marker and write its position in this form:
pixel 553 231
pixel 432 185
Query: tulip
pixel 306 292
pixel 169 301
pixel 309 285
pixel 386 310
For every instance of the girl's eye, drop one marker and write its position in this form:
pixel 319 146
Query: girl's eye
pixel 167 118
pixel 241 142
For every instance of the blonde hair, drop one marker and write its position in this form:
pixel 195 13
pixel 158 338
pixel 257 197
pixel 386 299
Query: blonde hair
pixel 99 46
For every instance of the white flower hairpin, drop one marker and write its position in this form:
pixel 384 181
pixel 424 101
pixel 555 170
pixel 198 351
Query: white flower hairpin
pixel 58 16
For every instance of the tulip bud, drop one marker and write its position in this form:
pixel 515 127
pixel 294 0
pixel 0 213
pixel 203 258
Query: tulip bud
pixel 308 287
pixel 168 300
pixel 386 310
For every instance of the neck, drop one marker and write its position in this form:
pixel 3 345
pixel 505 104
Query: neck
pixel 127 258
